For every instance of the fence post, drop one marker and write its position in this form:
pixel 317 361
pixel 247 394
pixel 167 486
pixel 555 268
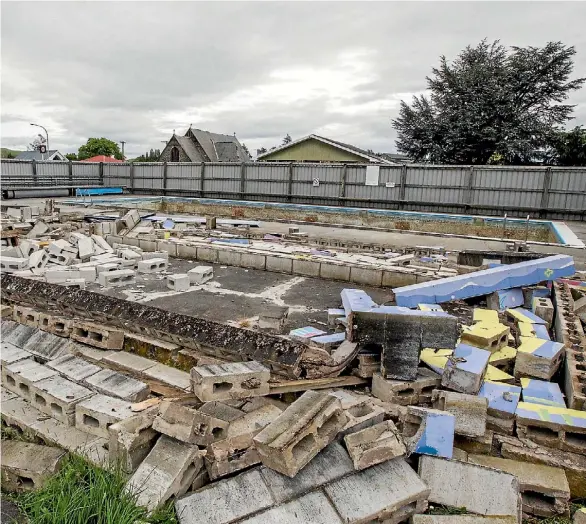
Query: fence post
pixel 101 173
pixel 132 177
pixel 402 186
pixel 70 172
pixel 242 179
pixel 545 192
pixel 34 164
pixel 202 178
pixel 470 188
pixel 343 184
pixel 164 178
pixel 290 185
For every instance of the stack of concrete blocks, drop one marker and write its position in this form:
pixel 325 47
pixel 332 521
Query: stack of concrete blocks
pixel 97 413
pixel 308 425
pixel 327 491
pixel 502 404
pixel 200 275
pixel 429 432
pixel 465 369
pixel 230 381
pixel 20 376
pixel 178 282
pixel 10 264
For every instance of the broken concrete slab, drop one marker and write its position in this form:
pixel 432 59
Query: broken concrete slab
pixel 478 489
pixel 484 282
pixel 469 411
pixel 232 380
pixel 27 466
pixel 170 376
pixel 95 414
pixel 130 361
pixel 429 431
pixel 110 382
pixel 300 432
pixel 465 369
pixel 544 490
pixel 374 445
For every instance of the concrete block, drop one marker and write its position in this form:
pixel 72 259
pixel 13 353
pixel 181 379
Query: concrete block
pixel 107 267
pixel 59 326
pixel 200 275
pixel 17 334
pixel 116 384
pixel 253 260
pixel 168 471
pixel 131 219
pixel 178 282
pixel 102 244
pixel 230 381
pixel 456 484
pixel 12 264
pixel 132 439
pixel 367 277
pixel 306 268
pixel 519 315
pixel 544 490
pixel 119 277
pixel 129 361
pixel 20 376
pixel 27 466
pixel 57 397
pixel 185 251
pixel 465 369
pixel 85 246
pixel 279 264
pixel 73 368
pixel 482 444
pixel 538 358
pixel 78 283
pixel 273 318
pixel 482 282
pixel 11 354
pixel 58 276
pixel 543 308
pixel 375 495
pixel 374 445
pixel 129 254
pixel 64 258
pixel 328 342
pixel 149 255
pixel 168 246
pixel 541 392
pixel 300 432
pixel 247 493
pixel 505 298
pixel 207 254
pixel 429 431
pixel 171 376
pixel 484 335
pixel 97 335
pixel 406 392
pixel 362 414
pixel 105 258
pixel 469 411
pixel 39 229
pixel 89 274
pixel 38 259
pixel 97 413
pixel 183 420
pixel 25 316
pixel 355 300
pixel 152 265
pixel 552 426
pixel 333 315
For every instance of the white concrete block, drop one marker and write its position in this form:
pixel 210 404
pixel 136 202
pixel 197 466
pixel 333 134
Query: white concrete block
pixel 120 277
pixel 179 282
pixel 12 264
pixel 201 274
pixel 153 265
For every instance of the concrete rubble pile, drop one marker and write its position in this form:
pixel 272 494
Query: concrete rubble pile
pixel 466 392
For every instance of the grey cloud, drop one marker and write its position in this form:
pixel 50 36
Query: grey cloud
pixel 134 71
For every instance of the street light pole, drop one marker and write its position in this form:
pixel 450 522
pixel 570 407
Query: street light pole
pixel 46 133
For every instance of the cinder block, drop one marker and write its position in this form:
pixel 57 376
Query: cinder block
pixel 38 259
pixel 201 274
pixel 361 414
pixel 11 354
pixel 544 490
pixel 333 315
pixel 57 276
pixel 406 392
pixel 482 444
pixel 178 282
pixel 168 246
pixel 367 277
pixel 167 471
pixel 85 246
pixel 97 413
pixel 171 376
pixel 57 397
pixel 465 369
pixel 119 277
pixel 186 251
pixel 374 445
pixel 489 336
pixel 97 335
pixel 543 308
pixel 131 219
pixel 101 243
pixel 253 260
pixel 110 382
pixel 27 466
pixel 12 264
pixel 538 358
pixel 306 268
pixel 106 268
pixel 429 431
pixel 132 439
pixel 63 259
pixel 279 264
pixel 188 421
pixel 456 484
pixel 152 265
pixel 230 381
pixel 374 494
pixel 60 326
pixel 469 411
pixel 73 368
pixel 332 271
pixel 502 402
pixel 21 375
pixel 25 316
pixel 89 274
pixel 207 254
pixel 300 432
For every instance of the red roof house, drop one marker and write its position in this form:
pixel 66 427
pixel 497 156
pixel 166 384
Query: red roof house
pixel 101 158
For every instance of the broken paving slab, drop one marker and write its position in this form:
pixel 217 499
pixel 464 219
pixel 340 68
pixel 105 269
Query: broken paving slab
pixel 469 411
pixel 110 382
pixel 27 466
pixel 374 445
pixel 429 431
pixel 542 392
pixel 544 490
pixel 305 334
pixel 486 281
pixel 465 369
pixel 479 489
pixel 167 471
pixel 306 427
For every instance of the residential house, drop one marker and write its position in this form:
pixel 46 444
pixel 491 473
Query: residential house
pixel 53 154
pixel 101 158
pixel 203 146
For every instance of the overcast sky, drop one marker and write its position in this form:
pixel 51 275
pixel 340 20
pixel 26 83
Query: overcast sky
pixel 135 71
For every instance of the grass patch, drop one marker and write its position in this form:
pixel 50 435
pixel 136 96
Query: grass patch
pixel 81 493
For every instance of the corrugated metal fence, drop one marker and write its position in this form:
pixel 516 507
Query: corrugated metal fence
pixel 552 192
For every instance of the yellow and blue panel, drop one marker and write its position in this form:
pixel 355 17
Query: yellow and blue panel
pixel 540 348
pixel 501 397
pixel 485 315
pixel 524 315
pixel 435 359
pixel 554 414
pixel 496 375
pixel 542 392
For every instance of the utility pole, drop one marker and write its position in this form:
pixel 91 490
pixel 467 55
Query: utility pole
pixel 123 142
pixel 47 134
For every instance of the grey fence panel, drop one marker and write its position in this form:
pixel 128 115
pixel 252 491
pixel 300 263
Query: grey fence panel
pixel 85 169
pixel 219 185
pixel 116 174
pixel 148 176
pixel 53 169
pixel 322 172
pixel 452 176
pixel 17 168
pixel 567 189
pixel 183 171
pixel 222 171
pixel 273 172
pixel 508 187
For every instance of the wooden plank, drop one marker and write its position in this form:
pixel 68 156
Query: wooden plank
pixel 293 386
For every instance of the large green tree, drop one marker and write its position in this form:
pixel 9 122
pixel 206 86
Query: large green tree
pixel 490 101
pixel 99 146
pixel 569 148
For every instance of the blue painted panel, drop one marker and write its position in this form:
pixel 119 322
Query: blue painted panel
pixel 356 300
pixel 469 358
pixel 306 332
pixel 91 191
pixel 329 339
pixel 510 298
pixel 501 397
pixel 542 392
pixel 438 438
